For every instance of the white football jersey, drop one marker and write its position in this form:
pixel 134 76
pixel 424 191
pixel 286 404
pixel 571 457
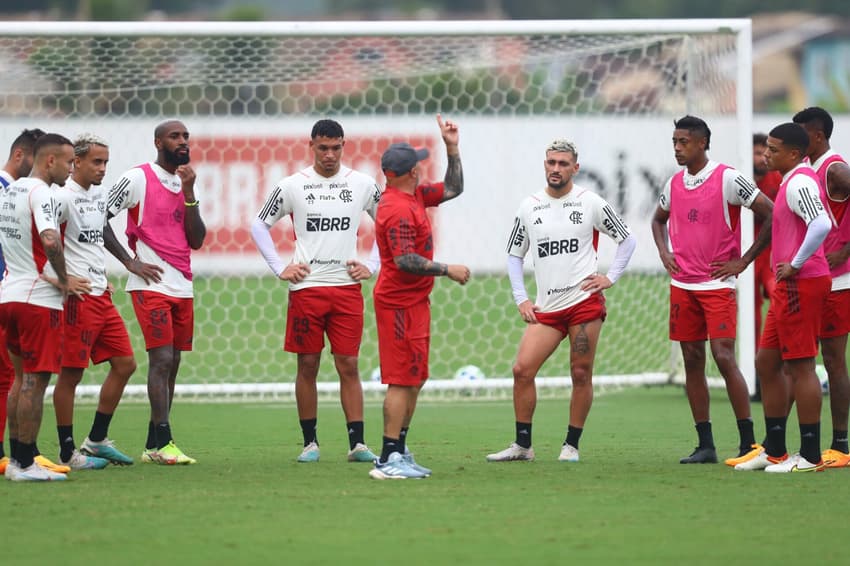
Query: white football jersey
pixel 326 213
pixel 129 193
pixel 84 213
pixel 562 234
pixel 27 208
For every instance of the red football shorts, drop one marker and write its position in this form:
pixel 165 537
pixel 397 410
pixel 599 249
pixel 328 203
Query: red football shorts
pixel 699 315
pixel 7 370
pixel 404 339
pixel 93 330
pixel 34 334
pixel 765 281
pixel 794 317
pixel 836 315
pixel 333 310
pixel 164 320
pixel 592 308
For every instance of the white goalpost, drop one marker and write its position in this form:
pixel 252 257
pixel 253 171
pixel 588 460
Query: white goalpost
pixel 250 92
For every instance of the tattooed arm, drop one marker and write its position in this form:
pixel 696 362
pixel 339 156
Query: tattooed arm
pixel 415 263
pixel 453 181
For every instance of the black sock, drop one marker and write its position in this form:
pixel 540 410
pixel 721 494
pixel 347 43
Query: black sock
pixel 523 434
pixel 66 442
pixel 573 436
pixel 390 445
pixel 308 429
pixel 163 435
pixel 402 440
pixel 775 427
pixel 13 448
pixel 35 450
pixel 2 452
pixel 706 439
pixel 839 441
pixel 26 454
pixel 100 427
pixel 746 434
pixel 150 443
pixel 355 434
pixel 810 442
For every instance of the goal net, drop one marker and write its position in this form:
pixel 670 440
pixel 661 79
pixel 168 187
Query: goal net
pixel 250 92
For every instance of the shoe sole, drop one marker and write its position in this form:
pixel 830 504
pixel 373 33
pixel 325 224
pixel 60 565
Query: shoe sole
pixel 379 475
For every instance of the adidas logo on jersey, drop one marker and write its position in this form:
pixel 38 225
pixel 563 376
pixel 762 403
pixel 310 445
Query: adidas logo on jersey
pixel 538 221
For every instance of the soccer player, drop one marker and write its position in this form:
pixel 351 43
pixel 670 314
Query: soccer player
pixel 768 183
pixel 18 165
pixel 834 176
pixel 561 224
pixel 702 204
pixel 93 328
pixel 325 202
pixel 30 306
pixel 402 307
pixel 163 226
pixel 800 225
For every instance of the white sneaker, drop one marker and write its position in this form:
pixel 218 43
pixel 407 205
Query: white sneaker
pixel 309 454
pixel 568 454
pixel 79 461
pixel 795 463
pixel 361 453
pixel 512 453
pixel 11 469
pixel 760 462
pixel 36 473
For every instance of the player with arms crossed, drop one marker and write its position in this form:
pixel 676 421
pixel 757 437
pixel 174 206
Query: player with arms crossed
pixel 803 283
pixel 325 202
pixel 30 306
pixel 164 225
pixel 834 176
pixel 561 225
pixel 702 205
pixel 93 328
pixel 402 307
pixel 18 165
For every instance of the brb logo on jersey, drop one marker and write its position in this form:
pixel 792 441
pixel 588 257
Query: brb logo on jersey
pixel 548 248
pixel 332 224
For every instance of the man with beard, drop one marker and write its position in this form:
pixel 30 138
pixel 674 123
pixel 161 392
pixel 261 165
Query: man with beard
pixel 163 226
pixel 560 226
pixel 30 306
pixel 18 165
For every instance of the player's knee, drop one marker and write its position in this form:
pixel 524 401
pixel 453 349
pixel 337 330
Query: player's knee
pixel 523 372
pixel 581 375
pixel 124 367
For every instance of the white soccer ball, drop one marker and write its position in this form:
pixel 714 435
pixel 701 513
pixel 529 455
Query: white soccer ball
pixel 469 373
pixel 376 375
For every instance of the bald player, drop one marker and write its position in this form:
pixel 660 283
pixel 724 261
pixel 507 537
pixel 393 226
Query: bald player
pixel 164 225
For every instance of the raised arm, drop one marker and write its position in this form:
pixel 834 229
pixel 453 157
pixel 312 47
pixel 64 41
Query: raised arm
pixel 453 180
pixel 196 231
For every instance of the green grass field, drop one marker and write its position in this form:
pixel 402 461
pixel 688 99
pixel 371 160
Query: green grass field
pixel 247 502
pixel 239 328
